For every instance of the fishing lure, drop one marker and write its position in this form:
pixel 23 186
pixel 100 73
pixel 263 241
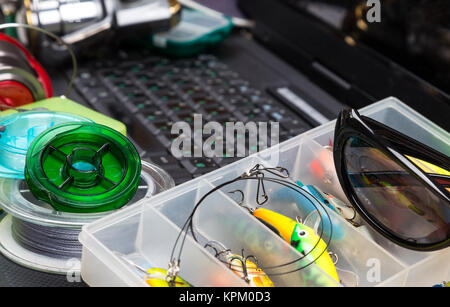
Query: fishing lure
pixel 346 211
pixel 242 266
pixel 444 284
pixel 299 236
pixel 334 203
pixel 306 206
pixel 322 171
pixel 306 209
pixel 156 277
pixel 322 167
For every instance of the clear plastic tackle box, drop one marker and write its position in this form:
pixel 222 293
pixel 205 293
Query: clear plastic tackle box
pixel 146 231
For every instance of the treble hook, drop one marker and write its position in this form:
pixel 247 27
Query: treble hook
pixel 242 196
pixel 335 256
pixel 352 219
pixel 255 260
pixel 243 261
pixel 224 250
pixel 241 202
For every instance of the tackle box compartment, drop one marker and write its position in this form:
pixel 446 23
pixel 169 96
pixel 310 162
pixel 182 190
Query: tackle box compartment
pixel 146 231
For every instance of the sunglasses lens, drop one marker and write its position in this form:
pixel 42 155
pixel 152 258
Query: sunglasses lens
pixel 393 197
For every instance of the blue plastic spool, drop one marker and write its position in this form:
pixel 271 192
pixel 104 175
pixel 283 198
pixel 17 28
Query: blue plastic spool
pixel 17 132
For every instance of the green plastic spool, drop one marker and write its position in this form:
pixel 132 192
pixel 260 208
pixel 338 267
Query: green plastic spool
pixel 83 168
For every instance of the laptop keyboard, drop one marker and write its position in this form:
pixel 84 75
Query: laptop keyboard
pixel 149 93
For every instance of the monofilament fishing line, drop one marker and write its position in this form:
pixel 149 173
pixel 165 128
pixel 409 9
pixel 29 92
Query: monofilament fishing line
pixel 36 236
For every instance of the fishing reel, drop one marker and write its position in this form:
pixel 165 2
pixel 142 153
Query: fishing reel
pixel 96 21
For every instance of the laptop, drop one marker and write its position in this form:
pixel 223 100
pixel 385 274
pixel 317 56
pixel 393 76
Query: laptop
pixel 299 72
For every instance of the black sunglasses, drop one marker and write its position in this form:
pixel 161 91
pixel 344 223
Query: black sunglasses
pixel 400 186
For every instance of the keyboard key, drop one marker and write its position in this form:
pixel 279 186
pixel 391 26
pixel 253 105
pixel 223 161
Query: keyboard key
pixel 217 112
pixel 164 127
pixel 167 95
pixel 154 114
pixel 180 108
pixel 199 165
pixel 186 117
pixel 294 125
pixel 204 101
pixel 156 86
pixel 166 161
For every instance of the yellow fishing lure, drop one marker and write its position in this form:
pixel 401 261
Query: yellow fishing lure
pixel 301 237
pixel 157 278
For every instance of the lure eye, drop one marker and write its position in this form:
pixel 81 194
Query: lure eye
pixel 302 234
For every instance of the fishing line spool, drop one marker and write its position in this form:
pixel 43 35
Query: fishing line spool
pixel 22 79
pixel 83 168
pixel 48 209
pixel 27 88
pixel 18 131
pixel 32 217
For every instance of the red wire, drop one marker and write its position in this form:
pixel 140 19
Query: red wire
pixel 42 74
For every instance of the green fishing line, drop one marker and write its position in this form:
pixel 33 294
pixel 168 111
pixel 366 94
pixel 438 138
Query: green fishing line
pixel 83 168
